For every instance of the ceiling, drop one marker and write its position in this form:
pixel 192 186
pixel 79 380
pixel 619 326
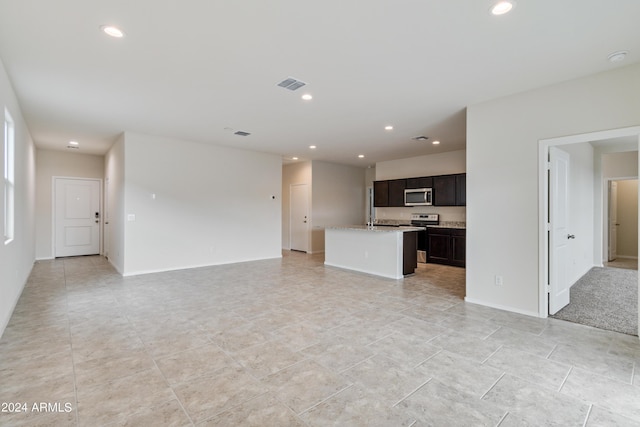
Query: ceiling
pixel 200 70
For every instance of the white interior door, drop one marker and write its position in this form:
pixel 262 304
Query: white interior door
pixel 613 220
pixel 77 217
pixel 559 236
pixel 299 234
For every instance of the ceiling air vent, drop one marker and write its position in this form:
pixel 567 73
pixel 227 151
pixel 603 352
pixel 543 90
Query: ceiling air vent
pixel 420 138
pixel 241 133
pixel 291 83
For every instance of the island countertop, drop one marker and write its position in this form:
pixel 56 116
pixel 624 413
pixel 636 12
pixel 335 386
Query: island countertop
pixel 378 228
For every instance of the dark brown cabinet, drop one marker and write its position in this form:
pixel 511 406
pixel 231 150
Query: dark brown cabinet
pixel 409 252
pixel 389 193
pixel 381 194
pixel 450 190
pixel 461 189
pixel 396 192
pixel 446 246
pixel 458 247
pixel 444 190
pixel 422 182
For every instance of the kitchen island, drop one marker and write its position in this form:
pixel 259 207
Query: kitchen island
pixel 386 251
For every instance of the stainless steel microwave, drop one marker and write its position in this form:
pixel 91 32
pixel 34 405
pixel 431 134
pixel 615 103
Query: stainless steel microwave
pixel 418 197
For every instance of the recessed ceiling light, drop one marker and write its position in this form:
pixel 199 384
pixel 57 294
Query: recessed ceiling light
pixel 294 158
pixel 313 147
pixel 73 143
pixel 389 127
pixel 307 97
pixel 502 7
pixel 436 142
pixel 361 156
pixel 618 56
pixel 112 31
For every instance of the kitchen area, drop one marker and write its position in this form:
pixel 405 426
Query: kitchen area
pixel 409 221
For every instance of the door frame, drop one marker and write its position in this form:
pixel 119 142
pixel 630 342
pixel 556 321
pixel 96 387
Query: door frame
pixel 53 211
pixel 543 202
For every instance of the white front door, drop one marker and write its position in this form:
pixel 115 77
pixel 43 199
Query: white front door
pixel 77 217
pixel 559 235
pixel 613 220
pixel 299 234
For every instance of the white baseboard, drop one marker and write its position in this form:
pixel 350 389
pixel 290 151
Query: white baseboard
pixel 502 307
pixel 45 259
pixel 627 257
pixel 188 267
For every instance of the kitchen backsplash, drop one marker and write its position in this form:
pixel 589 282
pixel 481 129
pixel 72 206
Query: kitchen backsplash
pixel 457 214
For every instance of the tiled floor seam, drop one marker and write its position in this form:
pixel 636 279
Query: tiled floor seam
pixel 492 385
pixel 73 362
pixel 412 393
pixel 323 400
pixel 565 379
pixel 586 418
pixel 172 391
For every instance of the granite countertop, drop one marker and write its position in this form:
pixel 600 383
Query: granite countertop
pixel 378 228
pixel 450 224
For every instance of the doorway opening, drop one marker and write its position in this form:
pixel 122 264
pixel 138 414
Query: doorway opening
pixel 592 250
pixel 622 223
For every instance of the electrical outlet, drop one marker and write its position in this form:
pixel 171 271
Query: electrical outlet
pixel 498 280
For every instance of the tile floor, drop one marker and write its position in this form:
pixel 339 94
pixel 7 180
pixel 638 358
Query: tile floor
pixel 289 342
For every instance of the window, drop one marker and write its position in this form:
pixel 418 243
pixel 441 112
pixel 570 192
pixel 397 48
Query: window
pixel 9 177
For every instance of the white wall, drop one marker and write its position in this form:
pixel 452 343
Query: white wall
pixel 114 206
pixel 620 165
pixel 338 198
pixel 337 195
pixel 581 209
pixel 502 175
pixel 627 236
pixel 212 205
pixel 64 164
pixel 292 174
pixel 17 256
pixel 433 164
pixel 430 165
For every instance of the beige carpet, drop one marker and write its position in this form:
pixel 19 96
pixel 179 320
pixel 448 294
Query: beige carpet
pixel 605 298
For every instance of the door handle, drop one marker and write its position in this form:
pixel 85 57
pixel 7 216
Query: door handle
pixel 571 236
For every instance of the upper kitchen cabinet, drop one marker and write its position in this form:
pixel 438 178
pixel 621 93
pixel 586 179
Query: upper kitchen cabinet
pixel 389 193
pixel 422 182
pixel 381 194
pixel 461 189
pixel 396 192
pixel 449 190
